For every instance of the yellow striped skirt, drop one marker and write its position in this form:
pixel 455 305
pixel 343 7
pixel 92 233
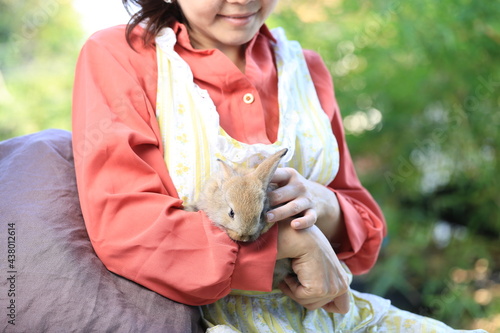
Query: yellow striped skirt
pixel 274 312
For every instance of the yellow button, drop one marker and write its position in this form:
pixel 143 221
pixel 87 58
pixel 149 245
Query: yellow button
pixel 248 98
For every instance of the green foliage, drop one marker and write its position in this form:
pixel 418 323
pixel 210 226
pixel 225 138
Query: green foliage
pixel 418 85
pixel 39 44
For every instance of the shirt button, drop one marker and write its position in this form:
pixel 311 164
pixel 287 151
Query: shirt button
pixel 248 98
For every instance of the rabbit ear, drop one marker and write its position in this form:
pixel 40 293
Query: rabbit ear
pixel 225 170
pixel 266 169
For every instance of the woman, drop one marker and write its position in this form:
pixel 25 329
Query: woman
pixel 185 83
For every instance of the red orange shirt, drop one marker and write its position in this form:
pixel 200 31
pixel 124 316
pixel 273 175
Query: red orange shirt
pixel 132 212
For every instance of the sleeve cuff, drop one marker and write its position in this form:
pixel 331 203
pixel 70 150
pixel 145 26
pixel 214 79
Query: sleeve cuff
pixel 255 263
pixel 364 237
pixel 354 225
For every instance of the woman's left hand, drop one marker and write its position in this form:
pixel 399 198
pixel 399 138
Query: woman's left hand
pixel 305 202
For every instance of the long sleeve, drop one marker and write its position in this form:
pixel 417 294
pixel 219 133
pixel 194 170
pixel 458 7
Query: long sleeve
pixel 133 216
pixel 363 218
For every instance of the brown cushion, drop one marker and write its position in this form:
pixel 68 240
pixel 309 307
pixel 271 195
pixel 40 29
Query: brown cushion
pixel 59 283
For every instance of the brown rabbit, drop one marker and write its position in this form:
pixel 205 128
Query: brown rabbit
pixel 236 200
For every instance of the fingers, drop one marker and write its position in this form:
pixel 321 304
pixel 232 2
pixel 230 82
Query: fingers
pixel 298 205
pixel 288 192
pixel 320 279
pixel 299 293
pixel 309 219
pixel 340 304
pixel 292 199
pixel 292 288
pixel 291 185
pixel 282 175
pixel 295 198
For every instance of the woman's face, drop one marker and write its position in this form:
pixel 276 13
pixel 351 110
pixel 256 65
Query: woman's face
pixel 223 24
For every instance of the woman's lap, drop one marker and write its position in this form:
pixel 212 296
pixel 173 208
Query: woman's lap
pixel 275 312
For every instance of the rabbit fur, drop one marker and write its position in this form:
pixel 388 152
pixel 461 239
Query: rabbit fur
pixel 235 199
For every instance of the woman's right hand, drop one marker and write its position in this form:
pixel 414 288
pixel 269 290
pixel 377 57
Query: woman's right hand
pixel 321 280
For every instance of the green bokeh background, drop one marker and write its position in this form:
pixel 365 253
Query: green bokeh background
pixel 418 83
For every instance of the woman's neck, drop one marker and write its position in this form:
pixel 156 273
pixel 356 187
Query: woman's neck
pixel 237 56
pixel 234 53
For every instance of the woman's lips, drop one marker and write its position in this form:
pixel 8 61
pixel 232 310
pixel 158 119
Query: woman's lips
pixel 237 19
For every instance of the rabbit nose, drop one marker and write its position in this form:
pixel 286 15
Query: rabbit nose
pixel 245 238
pixel 248 238
pixel 238 237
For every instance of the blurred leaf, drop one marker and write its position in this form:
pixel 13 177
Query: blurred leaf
pixel 431 69
pixel 39 44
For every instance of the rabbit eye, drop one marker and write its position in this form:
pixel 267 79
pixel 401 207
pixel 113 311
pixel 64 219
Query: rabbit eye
pixel 231 214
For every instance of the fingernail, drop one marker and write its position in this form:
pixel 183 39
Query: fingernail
pixel 296 224
pixel 270 217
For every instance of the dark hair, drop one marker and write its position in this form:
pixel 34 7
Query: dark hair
pixel 156 14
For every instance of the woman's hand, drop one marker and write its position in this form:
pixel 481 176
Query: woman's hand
pixel 321 281
pixel 306 203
